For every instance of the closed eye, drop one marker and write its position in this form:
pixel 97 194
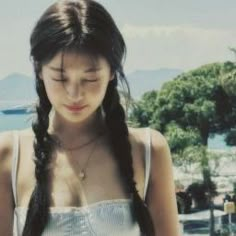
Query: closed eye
pixel 91 80
pixel 60 80
pixel 85 80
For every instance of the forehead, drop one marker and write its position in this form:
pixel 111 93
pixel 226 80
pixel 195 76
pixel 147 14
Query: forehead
pixel 70 60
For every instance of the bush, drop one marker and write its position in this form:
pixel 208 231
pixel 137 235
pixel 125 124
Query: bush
pixel 201 193
pixel 184 202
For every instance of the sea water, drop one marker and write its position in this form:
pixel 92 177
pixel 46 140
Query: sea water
pixel 12 122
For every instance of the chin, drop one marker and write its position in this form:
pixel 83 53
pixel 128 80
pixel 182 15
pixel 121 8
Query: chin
pixel 77 118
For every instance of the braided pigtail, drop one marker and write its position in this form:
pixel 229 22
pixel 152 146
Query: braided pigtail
pixel 37 215
pixel 115 120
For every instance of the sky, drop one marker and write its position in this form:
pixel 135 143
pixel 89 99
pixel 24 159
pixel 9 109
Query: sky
pixel 183 34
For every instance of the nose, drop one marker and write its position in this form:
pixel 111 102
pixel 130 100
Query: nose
pixel 74 91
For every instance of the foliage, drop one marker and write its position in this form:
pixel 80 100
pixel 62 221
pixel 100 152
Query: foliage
pixel 142 110
pixel 183 145
pixel 190 108
pixel 214 159
pixel 179 138
pixel 184 202
pixel 188 157
pixel 200 191
pixel 194 100
pixel 228 82
pixel 228 79
pixel 231 137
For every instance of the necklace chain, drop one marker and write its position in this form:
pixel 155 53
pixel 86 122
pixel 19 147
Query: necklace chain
pixel 82 171
pixel 59 143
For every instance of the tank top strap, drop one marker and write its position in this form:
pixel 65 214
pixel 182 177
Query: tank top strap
pixel 147 160
pixel 15 163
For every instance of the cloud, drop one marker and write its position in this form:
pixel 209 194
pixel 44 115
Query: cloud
pixel 136 31
pixel 178 46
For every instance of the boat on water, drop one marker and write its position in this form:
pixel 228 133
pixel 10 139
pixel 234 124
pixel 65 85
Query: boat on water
pixel 19 110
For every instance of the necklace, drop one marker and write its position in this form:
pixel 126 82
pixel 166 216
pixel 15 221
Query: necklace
pixel 82 171
pixel 59 143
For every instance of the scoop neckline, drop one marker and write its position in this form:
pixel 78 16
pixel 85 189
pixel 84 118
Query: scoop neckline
pixel 84 207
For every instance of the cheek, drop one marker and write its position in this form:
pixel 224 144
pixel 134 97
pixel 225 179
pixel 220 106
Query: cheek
pixel 53 91
pixel 96 88
pixel 99 90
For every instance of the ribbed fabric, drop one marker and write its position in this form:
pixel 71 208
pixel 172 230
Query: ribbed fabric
pixel 104 218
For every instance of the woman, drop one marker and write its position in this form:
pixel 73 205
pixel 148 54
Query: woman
pixel 80 170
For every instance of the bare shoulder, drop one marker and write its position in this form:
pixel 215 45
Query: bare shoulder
pixel 6 138
pixel 6 148
pixel 6 200
pixel 159 148
pixel 158 141
pixel 7 203
pixel 137 134
pixel 26 133
pixel 26 139
pixel 161 161
pixel 160 153
pixel 138 139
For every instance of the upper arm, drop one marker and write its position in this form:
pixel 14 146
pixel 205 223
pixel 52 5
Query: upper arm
pixel 6 195
pixel 161 198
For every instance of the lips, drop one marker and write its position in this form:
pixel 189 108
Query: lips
pixel 75 107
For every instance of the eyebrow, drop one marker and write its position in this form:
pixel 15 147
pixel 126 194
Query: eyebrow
pixel 89 70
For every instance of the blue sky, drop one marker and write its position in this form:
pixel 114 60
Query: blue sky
pixel 181 34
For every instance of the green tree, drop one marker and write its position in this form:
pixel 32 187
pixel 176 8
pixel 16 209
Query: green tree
pixel 228 79
pixel 143 109
pixel 228 82
pixel 184 145
pixel 195 101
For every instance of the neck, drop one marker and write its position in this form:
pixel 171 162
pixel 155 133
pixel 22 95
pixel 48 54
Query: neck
pixel 72 134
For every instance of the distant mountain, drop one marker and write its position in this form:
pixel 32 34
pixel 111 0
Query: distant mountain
pixel 16 88
pixel 142 81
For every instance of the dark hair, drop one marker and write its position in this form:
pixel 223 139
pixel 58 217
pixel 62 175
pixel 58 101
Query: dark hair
pixel 86 26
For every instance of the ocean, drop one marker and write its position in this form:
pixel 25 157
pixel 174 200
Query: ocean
pixel 11 122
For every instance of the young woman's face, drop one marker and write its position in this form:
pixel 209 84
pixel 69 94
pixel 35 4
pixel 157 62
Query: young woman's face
pixel 78 94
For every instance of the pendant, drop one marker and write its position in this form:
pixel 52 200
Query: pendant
pixel 82 175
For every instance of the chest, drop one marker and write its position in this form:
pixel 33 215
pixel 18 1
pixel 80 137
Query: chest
pixel 102 181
